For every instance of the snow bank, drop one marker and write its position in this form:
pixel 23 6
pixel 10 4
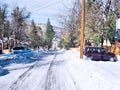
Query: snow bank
pixel 1 70
pixel 6 59
pixel 93 75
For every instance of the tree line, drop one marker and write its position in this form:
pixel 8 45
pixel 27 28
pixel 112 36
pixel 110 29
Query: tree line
pixel 15 28
pixel 100 18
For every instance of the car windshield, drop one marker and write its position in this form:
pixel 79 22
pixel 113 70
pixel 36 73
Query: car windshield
pixel 18 48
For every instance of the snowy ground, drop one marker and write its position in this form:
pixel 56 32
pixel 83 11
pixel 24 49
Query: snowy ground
pixel 62 70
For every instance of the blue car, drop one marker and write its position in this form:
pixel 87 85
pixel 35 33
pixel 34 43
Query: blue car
pixel 22 50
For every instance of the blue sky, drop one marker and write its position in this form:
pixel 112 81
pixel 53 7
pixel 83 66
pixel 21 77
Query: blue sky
pixel 41 10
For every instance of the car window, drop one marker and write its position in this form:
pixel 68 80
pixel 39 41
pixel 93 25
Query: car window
pixel 27 49
pixel 95 50
pixel 18 48
pixel 99 51
pixel 104 51
pixel 88 50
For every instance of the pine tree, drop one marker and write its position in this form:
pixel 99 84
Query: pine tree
pixel 6 29
pixel 18 23
pixel 49 34
pixel 35 39
pixel 3 16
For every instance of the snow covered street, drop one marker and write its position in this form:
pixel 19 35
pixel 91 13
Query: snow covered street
pixel 61 70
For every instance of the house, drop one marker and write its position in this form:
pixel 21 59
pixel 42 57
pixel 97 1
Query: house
pixel 117 33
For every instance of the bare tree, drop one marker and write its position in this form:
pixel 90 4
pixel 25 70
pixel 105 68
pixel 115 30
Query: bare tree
pixel 72 24
pixel 116 8
pixel 111 13
pixel 18 23
pixel 100 18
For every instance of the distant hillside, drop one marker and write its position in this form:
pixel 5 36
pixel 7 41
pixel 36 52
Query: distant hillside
pixel 58 30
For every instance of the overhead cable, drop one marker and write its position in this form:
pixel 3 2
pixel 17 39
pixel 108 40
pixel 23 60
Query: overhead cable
pixel 51 4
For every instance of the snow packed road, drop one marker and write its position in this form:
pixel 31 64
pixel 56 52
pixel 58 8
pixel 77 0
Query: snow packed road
pixel 61 70
pixel 47 73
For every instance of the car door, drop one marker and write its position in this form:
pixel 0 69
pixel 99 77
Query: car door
pixel 96 54
pixel 105 55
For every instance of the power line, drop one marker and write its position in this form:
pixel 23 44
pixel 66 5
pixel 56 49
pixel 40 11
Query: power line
pixel 65 5
pixel 48 5
pixel 51 4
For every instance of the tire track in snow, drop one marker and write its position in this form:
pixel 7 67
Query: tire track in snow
pixel 16 84
pixel 22 78
pixel 50 81
pixel 74 82
pixel 51 78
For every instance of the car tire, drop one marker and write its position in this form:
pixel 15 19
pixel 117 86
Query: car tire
pixel 112 59
pixel 89 57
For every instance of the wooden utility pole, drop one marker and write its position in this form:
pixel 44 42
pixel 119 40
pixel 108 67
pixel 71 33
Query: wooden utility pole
pixel 82 29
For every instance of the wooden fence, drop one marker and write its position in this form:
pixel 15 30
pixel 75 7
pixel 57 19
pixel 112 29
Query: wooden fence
pixel 114 49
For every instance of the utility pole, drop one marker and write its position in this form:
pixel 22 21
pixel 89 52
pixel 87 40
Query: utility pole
pixel 82 29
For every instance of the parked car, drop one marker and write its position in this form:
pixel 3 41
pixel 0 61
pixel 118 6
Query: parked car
pixel 22 50
pixel 99 53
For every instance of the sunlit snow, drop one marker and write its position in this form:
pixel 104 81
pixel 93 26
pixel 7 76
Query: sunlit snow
pixel 61 70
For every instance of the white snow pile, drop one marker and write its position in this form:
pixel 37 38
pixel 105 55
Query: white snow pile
pixel 1 70
pixel 93 75
pixel 85 74
pixel 6 59
pixel 39 53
